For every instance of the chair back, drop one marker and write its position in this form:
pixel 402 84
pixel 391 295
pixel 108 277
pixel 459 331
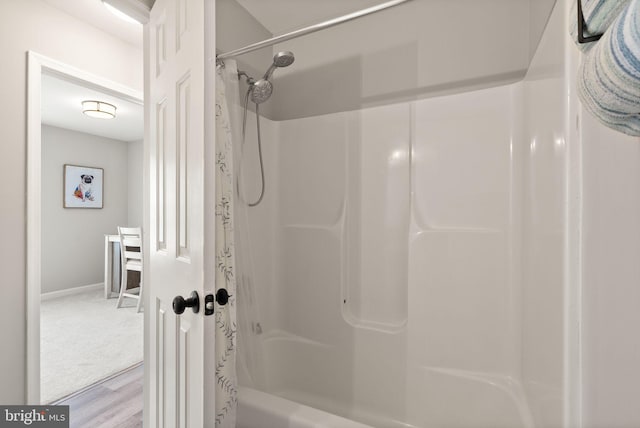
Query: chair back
pixel 130 245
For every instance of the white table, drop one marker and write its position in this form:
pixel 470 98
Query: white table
pixel 110 246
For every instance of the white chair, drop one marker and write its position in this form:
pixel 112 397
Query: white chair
pixel 131 260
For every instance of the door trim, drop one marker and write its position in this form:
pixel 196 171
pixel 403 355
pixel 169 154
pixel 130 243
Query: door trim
pixel 38 64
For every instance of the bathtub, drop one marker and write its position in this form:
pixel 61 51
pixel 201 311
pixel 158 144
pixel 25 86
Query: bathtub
pixel 257 409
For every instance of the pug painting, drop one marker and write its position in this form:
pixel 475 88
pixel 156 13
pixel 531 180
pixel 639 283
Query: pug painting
pixel 83 191
pixel 83 186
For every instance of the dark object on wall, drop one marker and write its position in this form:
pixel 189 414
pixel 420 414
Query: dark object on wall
pixel 581 24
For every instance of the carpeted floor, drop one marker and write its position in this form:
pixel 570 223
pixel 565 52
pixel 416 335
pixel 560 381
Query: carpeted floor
pixel 83 339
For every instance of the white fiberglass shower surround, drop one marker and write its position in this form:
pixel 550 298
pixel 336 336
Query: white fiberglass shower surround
pixel 416 255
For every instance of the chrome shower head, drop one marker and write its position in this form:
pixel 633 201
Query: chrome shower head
pixel 263 88
pixel 281 59
pixel 261 91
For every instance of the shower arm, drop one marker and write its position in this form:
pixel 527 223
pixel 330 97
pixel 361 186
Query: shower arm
pixel 310 29
pixel 250 80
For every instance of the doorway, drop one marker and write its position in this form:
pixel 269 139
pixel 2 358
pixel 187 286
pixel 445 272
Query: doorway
pixel 47 267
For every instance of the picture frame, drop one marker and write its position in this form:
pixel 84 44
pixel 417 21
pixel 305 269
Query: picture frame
pixel 83 187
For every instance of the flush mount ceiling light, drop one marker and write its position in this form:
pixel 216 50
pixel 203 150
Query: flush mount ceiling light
pixel 99 109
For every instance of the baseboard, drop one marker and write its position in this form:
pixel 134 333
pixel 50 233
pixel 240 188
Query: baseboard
pixel 69 291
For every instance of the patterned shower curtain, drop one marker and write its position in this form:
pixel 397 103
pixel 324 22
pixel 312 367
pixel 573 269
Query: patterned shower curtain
pixel 225 317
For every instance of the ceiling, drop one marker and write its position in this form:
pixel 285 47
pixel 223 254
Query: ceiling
pixel 61 99
pixel 94 13
pixel 62 107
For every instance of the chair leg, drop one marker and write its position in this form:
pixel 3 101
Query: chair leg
pixel 123 287
pixel 140 294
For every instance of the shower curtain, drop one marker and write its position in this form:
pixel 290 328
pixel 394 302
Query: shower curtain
pixel 225 317
pixel 238 348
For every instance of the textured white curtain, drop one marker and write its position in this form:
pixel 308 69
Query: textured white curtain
pixel 226 269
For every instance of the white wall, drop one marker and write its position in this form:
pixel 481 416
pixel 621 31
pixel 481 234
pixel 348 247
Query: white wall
pixel 135 202
pixel 35 25
pixel 73 239
pixel 611 277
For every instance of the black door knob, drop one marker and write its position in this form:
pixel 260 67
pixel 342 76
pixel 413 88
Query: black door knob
pixel 180 303
pixel 222 296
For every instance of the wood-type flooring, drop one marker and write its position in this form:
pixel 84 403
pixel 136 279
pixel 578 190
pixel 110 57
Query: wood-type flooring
pixel 116 402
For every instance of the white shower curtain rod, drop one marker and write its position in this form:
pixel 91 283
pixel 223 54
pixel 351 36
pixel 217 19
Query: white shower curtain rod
pixel 310 29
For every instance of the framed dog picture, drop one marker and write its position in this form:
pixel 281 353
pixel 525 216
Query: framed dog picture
pixel 83 186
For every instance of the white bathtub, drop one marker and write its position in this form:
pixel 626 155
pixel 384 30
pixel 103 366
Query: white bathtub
pixel 257 409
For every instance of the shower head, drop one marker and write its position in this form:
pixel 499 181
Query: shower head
pixel 281 59
pixel 262 89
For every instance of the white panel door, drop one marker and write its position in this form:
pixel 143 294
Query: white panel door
pixel 175 73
